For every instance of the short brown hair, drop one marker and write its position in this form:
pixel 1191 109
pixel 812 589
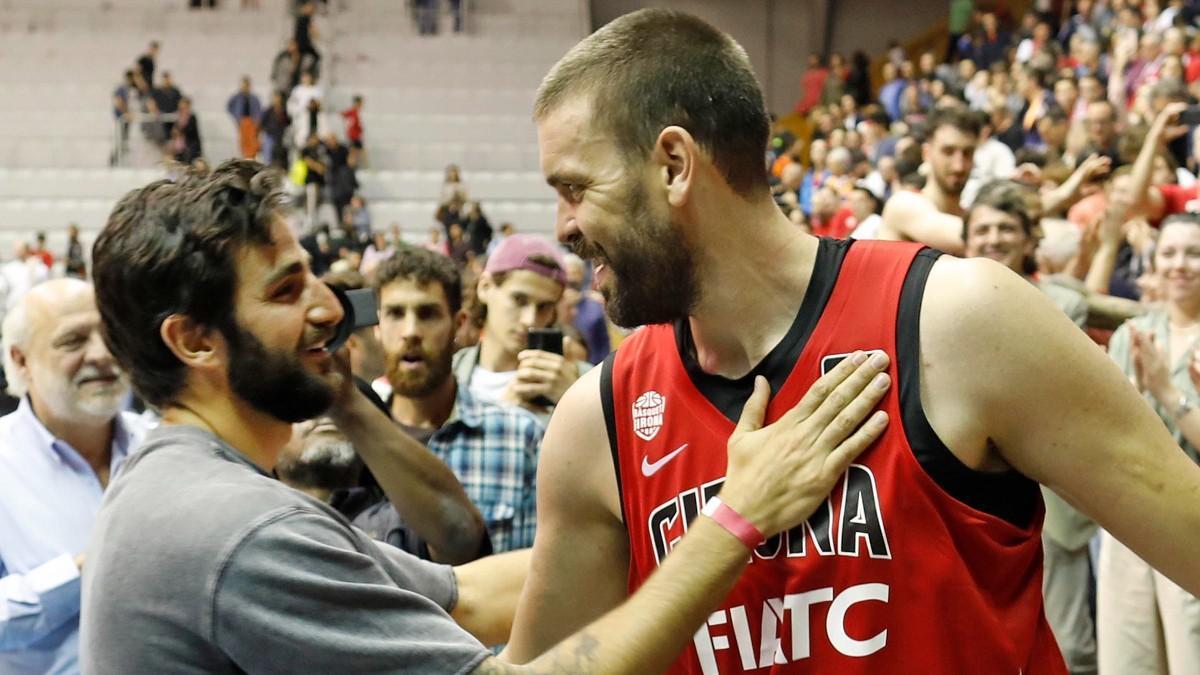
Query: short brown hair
pixel 1014 199
pixel 1011 197
pixel 422 266
pixel 956 117
pixel 656 68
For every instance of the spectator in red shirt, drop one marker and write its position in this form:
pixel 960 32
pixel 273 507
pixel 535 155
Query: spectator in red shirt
pixel 1161 198
pixel 829 218
pixel 354 130
pixel 39 250
pixel 811 84
pixel 1192 60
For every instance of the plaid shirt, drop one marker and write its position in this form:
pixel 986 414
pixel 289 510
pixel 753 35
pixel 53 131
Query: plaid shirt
pixel 494 451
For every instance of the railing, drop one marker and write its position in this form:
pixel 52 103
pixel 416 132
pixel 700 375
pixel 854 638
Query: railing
pixel 122 134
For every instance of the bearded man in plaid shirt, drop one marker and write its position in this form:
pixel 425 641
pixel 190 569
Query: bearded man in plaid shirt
pixel 492 449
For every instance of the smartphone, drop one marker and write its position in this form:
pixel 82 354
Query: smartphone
pixel 1190 116
pixel 359 310
pixel 546 340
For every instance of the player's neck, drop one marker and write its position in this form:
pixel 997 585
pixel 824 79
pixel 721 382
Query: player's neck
pixel 426 412
pixel 942 201
pixel 751 287
pixel 255 434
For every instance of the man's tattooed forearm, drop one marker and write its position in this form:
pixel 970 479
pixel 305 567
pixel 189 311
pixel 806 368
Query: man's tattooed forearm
pixel 576 656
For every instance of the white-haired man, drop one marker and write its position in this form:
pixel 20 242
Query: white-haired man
pixel 57 454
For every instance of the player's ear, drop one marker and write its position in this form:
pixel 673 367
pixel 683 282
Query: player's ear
pixel 676 155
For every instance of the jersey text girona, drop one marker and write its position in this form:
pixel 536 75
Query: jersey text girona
pixel 895 573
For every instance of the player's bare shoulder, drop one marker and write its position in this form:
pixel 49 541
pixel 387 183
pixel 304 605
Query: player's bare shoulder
pixel 971 288
pixel 982 328
pixel 973 315
pixel 580 410
pixel 576 450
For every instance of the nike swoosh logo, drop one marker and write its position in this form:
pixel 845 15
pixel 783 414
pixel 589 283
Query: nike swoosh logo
pixel 649 468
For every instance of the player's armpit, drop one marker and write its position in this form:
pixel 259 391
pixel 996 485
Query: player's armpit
pixel 580 554
pixel 1058 410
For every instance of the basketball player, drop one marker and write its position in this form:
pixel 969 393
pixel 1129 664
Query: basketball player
pixel 934 216
pixel 927 556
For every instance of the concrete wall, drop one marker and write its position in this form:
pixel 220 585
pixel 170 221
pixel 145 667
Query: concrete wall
pixel 778 35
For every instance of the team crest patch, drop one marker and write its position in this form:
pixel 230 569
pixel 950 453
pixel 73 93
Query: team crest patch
pixel 648 412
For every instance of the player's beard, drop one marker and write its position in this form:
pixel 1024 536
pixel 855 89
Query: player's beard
pixel 274 382
pixel 653 270
pixel 424 380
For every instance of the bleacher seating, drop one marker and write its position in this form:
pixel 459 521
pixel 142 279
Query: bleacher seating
pixel 431 101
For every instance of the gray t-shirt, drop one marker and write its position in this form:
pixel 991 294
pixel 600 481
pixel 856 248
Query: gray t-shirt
pixel 201 563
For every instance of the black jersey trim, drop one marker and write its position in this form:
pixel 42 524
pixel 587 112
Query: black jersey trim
pixel 729 396
pixel 610 423
pixel 1007 495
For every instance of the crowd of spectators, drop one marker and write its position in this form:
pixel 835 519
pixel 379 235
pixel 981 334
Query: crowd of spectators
pixel 1061 104
pixel 1063 146
pixel 293 127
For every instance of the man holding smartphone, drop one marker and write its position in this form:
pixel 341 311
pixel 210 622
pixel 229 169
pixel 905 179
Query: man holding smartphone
pixel 516 361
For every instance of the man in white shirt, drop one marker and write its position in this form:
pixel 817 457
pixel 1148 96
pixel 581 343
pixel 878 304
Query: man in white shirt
pixel 993 160
pixel 519 290
pixel 58 452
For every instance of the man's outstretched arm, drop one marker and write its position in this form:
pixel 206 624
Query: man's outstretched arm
pixel 776 477
pixel 420 486
pixel 909 216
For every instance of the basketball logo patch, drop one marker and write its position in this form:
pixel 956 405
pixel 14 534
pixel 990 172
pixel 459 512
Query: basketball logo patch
pixel 648 412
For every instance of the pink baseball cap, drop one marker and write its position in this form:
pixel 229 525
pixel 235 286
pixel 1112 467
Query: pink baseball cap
pixel 516 251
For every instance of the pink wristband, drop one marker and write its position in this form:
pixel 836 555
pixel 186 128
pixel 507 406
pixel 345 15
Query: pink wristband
pixel 733 521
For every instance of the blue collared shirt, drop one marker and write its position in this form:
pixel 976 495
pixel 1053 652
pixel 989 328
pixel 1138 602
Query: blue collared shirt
pixel 49 496
pixel 493 450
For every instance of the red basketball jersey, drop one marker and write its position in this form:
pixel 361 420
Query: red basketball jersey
pixel 891 575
